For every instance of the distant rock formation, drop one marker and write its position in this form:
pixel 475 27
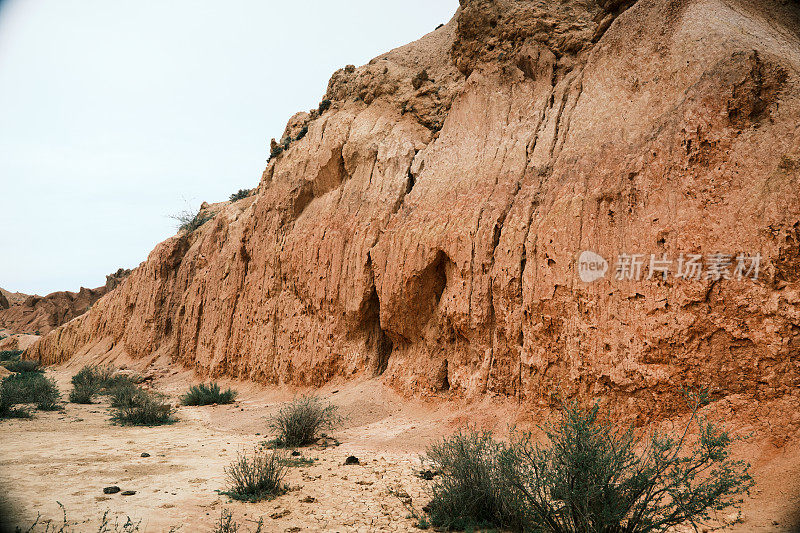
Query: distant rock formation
pixel 425 222
pixel 40 314
pixel 12 297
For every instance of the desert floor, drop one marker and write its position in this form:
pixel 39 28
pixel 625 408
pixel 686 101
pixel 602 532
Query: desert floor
pixel 69 456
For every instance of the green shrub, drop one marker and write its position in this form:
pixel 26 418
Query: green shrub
pixel 25 365
pixel 8 411
pixel 593 476
pixel 473 488
pixel 240 194
pixel 143 409
pixel 90 381
pixel 47 395
pixel 298 423
pixel 98 377
pixel 9 355
pixel 83 394
pixel 189 221
pixel 324 106
pixel 208 394
pixel 256 477
pixel 609 479
pixel 124 394
pixel 30 387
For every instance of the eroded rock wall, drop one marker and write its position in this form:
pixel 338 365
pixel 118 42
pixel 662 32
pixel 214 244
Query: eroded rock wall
pixel 426 226
pixel 41 314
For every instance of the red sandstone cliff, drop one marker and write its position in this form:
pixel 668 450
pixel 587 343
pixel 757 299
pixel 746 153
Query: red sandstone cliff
pixel 427 225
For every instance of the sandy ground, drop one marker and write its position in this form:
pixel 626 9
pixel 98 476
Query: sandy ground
pixel 69 456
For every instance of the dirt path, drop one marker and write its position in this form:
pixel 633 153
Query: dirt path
pixel 70 456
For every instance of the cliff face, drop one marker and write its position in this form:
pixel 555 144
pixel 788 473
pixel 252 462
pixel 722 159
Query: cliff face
pixel 40 314
pixel 426 227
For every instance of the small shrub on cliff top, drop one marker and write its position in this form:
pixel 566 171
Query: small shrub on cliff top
pixel 240 194
pixel 297 423
pixel 189 221
pixel 208 394
pixel 592 477
pixel 256 477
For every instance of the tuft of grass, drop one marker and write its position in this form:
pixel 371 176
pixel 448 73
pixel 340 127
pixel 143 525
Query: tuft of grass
pixel 226 524
pixel 28 387
pixel 10 355
pixel 22 365
pixel 298 422
pixel 106 524
pixel 241 194
pixel 256 477
pixel 293 462
pixel 208 394
pixel 189 221
pixel 142 408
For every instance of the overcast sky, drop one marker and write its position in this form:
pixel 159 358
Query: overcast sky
pixel 115 114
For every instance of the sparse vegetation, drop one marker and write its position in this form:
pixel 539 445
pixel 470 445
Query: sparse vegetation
pixel 592 477
pixel 324 106
pixel 22 365
pixel 293 462
pixel 256 477
pixel 106 524
pixel 24 388
pixel 226 524
pixel 189 221
pixel 208 394
pixel 241 194
pixel 142 408
pixel 275 150
pixel 297 423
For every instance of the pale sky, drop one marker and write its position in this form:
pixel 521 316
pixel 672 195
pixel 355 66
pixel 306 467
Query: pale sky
pixel 115 114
